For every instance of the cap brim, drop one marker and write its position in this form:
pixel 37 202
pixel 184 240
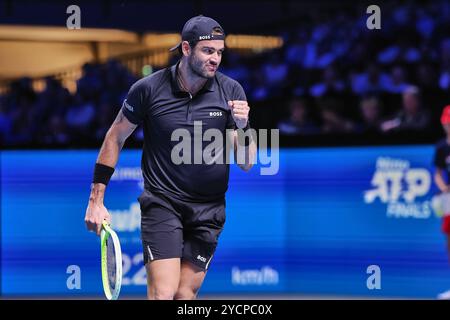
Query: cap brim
pixel 175 48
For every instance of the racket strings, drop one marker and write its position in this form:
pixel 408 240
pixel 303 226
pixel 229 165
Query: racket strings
pixel 111 263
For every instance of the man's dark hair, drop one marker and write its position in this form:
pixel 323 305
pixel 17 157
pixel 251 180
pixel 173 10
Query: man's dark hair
pixel 192 44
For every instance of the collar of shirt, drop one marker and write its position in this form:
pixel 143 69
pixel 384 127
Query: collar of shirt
pixel 208 87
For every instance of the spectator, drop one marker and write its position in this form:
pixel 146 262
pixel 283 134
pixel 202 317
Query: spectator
pixel 299 121
pixel 56 133
pixel 332 120
pixel 80 115
pixel 412 116
pixel 371 115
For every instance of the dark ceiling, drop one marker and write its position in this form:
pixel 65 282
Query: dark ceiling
pixel 236 16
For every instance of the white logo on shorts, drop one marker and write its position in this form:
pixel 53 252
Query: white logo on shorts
pixel 216 114
pixel 202 259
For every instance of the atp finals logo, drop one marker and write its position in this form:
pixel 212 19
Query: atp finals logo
pixel 400 187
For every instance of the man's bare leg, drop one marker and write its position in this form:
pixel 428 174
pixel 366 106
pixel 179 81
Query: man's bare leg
pixel 191 280
pixel 163 277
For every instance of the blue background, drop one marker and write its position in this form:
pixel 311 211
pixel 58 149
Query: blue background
pixel 308 225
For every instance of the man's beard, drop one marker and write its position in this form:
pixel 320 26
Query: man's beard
pixel 195 66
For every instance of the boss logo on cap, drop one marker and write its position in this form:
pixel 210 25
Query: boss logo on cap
pixel 204 37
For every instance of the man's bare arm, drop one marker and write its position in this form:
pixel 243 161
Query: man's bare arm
pixel 440 181
pixel 249 153
pixel 115 138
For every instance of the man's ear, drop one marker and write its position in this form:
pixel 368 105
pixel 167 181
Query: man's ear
pixel 185 48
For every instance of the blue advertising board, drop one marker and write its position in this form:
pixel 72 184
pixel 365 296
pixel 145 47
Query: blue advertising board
pixel 332 221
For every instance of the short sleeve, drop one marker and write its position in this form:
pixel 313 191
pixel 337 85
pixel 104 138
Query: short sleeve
pixel 135 105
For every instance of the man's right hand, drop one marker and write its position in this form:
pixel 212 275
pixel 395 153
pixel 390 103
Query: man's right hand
pixel 96 213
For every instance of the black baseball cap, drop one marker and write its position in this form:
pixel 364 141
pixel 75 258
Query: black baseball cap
pixel 200 28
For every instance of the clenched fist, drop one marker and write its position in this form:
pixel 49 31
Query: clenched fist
pixel 239 111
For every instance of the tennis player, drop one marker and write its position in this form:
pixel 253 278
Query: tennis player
pixel 441 176
pixel 182 205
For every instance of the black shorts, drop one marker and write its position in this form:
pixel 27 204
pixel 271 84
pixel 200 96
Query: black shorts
pixel 172 228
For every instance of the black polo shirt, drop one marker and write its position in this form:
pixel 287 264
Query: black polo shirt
pixel 161 106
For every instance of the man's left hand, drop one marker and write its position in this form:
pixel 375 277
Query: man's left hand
pixel 239 112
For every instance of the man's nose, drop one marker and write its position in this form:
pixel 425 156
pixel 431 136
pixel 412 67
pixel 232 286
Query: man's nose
pixel 215 58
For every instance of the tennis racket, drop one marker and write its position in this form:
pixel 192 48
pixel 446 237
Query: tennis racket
pixel 111 262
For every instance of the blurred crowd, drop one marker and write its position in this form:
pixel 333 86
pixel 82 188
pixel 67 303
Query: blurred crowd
pixel 332 75
pixel 56 117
